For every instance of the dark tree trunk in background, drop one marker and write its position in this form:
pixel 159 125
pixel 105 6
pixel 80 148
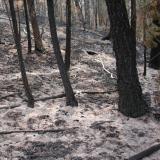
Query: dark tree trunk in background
pixel 144 39
pixel 155 51
pixel 19 51
pixel 96 15
pixel 35 28
pixel 68 35
pixel 80 13
pixel 87 13
pixel 27 27
pixel 131 102
pixel 133 19
pixel 155 57
pixel 18 21
pixel 107 37
pixel 8 14
pixel 70 98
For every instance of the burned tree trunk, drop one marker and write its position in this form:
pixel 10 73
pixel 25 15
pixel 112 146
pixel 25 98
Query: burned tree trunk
pixel 155 50
pixel 70 98
pixel 68 35
pixel 87 13
pixel 20 57
pixel 133 19
pixel 155 57
pixel 131 102
pixel 27 27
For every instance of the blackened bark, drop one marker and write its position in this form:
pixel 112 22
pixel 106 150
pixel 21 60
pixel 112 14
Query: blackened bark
pixel 145 153
pixel 70 98
pixel 20 57
pixel 27 27
pixel 107 37
pixel 155 51
pixel 131 102
pixel 68 35
pixel 87 13
pixel 144 39
pixel 133 19
pixel 155 57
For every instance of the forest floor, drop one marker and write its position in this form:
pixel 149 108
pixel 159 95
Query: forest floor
pixel 94 130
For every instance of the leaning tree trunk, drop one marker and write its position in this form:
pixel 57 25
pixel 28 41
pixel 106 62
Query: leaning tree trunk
pixel 68 35
pixel 19 51
pixel 70 98
pixel 35 28
pixel 131 102
pixel 27 27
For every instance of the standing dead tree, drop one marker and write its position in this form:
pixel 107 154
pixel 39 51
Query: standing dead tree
pixel 70 98
pixel 68 35
pixel 20 57
pixel 27 27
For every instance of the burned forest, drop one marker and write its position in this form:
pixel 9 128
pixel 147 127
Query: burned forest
pixel 79 79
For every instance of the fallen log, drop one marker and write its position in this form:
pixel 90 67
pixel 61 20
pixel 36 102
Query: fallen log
pixel 10 107
pixel 145 153
pixel 64 95
pixel 58 96
pixel 51 97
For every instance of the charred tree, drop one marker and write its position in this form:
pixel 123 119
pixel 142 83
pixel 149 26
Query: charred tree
pixel 87 13
pixel 133 19
pixel 155 51
pixel 70 98
pixel 20 57
pixel 131 102
pixel 68 35
pixel 27 27
pixel 35 28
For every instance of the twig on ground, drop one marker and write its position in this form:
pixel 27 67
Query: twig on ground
pixel 41 131
pixel 111 74
pixel 10 107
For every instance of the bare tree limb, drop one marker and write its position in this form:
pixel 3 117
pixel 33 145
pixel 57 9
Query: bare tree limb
pixel 10 106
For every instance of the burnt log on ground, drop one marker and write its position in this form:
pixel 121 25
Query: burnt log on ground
pixel 145 153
